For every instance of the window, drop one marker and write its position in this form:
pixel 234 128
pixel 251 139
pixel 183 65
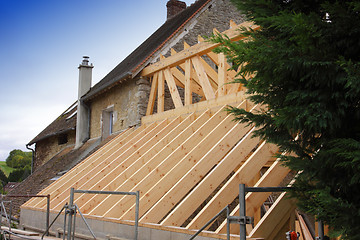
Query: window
pixel 62 139
pixel 107 122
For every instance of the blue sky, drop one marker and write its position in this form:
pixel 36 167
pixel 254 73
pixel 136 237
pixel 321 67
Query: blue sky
pixel 41 45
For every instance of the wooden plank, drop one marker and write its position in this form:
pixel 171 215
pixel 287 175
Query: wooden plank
pixel 104 152
pixel 62 192
pixel 147 168
pixel 188 91
pixel 190 153
pixel 199 194
pixel 211 73
pixel 227 194
pixel 122 169
pixel 271 220
pixel 203 78
pixel 272 177
pixel 172 88
pixel 170 161
pixel 299 230
pixel 196 88
pixel 198 49
pixel 306 233
pixel 197 172
pixel 152 97
pixel 222 75
pixel 161 93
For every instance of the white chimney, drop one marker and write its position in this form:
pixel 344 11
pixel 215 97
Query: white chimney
pixel 83 113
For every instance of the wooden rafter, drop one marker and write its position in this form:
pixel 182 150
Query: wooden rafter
pixel 197 70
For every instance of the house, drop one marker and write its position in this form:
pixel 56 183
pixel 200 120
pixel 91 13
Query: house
pixel 156 124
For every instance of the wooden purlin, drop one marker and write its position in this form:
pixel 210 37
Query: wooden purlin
pixel 152 164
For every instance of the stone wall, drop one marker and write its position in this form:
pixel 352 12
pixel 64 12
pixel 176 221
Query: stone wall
pixel 49 147
pixel 128 101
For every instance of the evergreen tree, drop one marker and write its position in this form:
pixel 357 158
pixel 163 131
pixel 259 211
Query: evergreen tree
pixel 303 67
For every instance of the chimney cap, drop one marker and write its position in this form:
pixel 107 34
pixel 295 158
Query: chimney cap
pixel 85 62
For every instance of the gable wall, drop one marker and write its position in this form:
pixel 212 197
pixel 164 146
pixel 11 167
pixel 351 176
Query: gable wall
pixel 49 147
pixel 128 101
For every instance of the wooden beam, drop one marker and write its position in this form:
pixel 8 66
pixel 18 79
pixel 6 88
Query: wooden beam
pixel 152 97
pixel 186 45
pixel 227 194
pixel 271 220
pixel 161 93
pixel 181 78
pixel 306 233
pixel 172 88
pixel 222 75
pixel 203 78
pixel 188 91
pixel 198 49
pixel 272 177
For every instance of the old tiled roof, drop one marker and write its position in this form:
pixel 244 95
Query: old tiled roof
pixel 64 123
pixel 141 55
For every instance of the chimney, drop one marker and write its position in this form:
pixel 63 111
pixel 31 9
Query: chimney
pixel 174 7
pixel 83 113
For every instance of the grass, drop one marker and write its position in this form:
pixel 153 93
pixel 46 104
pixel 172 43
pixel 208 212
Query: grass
pixel 6 169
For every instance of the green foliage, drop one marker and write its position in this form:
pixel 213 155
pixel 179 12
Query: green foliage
pixel 19 174
pixel 18 159
pixel 305 62
pixel 3 178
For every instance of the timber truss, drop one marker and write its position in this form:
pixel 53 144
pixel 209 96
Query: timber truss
pixel 187 163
